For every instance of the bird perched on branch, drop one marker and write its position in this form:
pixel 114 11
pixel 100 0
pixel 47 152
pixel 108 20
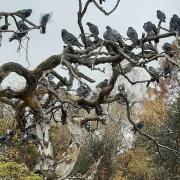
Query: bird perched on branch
pixel 167 49
pixel 113 35
pixel 70 39
pixel 18 36
pixel 83 91
pixel 175 23
pixel 154 74
pixel 132 35
pixel 151 30
pixel 25 13
pixel 22 26
pixel 102 84
pixel 5 26
pixel 138 125
pixel 161 16
pixel 93 29
pixel 101 1
pixel 43 22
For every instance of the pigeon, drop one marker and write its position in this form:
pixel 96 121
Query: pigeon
pixel 43 22
pixel 175 23
pixel 167 49
pixel 25 13
pixel 18 36
pixel 150 29
pixel 113 35
pixel 161 16
pixel 121 88
pixel 138 125
pixel 154 73
pixel 102 84
pixel 50 77
pixel 93 29
pixel 5 26
pixel 132 35
pixel 22 26
pixel 101 1
pixel 83 91
pixel 70 39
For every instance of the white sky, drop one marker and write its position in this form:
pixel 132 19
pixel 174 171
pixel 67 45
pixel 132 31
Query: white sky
pixel 130 13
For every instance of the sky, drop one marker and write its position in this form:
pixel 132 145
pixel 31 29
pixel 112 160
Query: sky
pixel 129 13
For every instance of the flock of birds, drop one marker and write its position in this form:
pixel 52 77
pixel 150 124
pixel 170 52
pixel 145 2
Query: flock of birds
pixel 113 35
pixel 22 27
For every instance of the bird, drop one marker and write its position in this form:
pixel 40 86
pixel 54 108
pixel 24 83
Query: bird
pixel 138 125
pixel 93 29
pixel 99 110
pixel 154 74
pixel 174 23
pixel 22 26
pixel 83 91
pixel 50 77
pixel 101 1
pixel 161 16
pixel 16 36
pixel 43 22
pixel 25 13
pixel 70 39
pixel 102 84
pixel 121 88
pixel 151 30
pixel 167 49
pixel 132 35
pixel 113 35
pixel 5 26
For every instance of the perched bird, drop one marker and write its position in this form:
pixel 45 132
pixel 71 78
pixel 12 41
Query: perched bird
pixel 167 49
pixel 132 35
pixel 150 29
pixel 154 74
pixel 138 125
pixel 121 88
pixel 70 39
pixel 50 77
pixel 102 84
pixel 22 26
pixel 43 22
pixel 83 91
pixel 167 70
pixel 5 26
pixel 25 13
pixel 113 35
pixel 18 36
pixel 161 16
pixel 93 29
pixel 175 23
pixel 100 1
pixel 99 110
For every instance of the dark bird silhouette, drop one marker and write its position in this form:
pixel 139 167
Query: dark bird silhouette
pixel 102 84
pixel 22 26
pixel 113 35
pixel 83 91
pixel 101 1
pixel 175 23
pixel 121 88
pixel 93 29
pixel 139 125
pixel 167 49
pixel 70 39
pixel 25 13
pixel 18 36
pixel 43 22
pixel 5 26
pixel 151 30
pixel 132 35
pixel 161 16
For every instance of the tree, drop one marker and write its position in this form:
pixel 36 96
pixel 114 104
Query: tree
pixel 43 102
